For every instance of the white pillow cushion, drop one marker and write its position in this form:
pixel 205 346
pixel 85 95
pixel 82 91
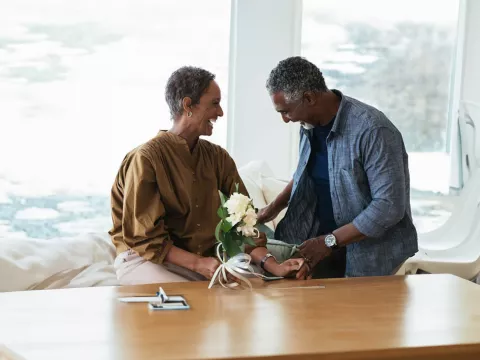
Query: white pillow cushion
pixel 271 189
pixel 251 175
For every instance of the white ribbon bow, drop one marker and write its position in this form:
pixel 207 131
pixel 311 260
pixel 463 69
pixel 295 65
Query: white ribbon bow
pixel 236 266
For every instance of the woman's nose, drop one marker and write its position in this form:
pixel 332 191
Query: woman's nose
pixel 220 111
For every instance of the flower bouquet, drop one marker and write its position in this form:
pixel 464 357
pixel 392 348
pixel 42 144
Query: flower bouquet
pixel 235 229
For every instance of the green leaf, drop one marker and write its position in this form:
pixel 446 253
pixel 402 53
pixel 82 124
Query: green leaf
pixel 231 246
pixel 249 241
pixel 226 226
pixel 217 231
pixel 236 236
pixel 223 199
pixel 222 213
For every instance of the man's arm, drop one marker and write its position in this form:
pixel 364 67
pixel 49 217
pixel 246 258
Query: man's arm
pixel 384 167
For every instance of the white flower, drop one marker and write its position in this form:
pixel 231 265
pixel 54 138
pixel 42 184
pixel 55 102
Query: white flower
pixel 234 219
pixel 248 231
pixel 250 218
pixel 237 205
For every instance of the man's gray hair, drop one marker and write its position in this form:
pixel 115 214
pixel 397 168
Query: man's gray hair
pixel 188 81
pixel 294 76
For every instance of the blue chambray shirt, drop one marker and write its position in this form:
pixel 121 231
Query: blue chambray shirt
pixel 369 186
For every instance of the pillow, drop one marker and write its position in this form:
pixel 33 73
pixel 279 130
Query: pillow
pixel 271 189
pixel 255 170
pixel 256 194
pixel 251 175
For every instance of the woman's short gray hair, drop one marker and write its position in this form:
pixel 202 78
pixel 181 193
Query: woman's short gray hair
pixel 294 76
pixel 188 81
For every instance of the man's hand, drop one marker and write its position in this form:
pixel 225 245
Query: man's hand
pixel 313 251
pixel 268 213
pixel 206 266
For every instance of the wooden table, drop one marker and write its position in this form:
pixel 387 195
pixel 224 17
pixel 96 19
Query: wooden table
pixel 414 317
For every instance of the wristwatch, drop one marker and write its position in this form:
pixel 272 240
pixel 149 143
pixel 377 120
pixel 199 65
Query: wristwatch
pixel 331 241
pixel 265 258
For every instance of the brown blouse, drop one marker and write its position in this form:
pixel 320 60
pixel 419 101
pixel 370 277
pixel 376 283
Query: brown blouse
pixel 165 195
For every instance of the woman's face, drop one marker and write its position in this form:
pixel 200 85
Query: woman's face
pixel 206 112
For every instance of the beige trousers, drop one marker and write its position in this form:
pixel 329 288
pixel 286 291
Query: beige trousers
pixel 132 269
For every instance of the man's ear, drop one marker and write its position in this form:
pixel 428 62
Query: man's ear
pixel 310 97
pixel 187 104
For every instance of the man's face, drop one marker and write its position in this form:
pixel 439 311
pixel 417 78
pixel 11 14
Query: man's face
pixel 296 111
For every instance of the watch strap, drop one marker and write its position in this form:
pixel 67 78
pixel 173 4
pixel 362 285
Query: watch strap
pixel 264 259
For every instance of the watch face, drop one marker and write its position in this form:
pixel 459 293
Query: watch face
pixel 330 240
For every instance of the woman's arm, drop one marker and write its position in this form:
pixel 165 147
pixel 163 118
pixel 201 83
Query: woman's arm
pixel 143 226
pixel 205 266
pixel 271 265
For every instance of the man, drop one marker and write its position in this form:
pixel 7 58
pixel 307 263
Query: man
pixel 351 190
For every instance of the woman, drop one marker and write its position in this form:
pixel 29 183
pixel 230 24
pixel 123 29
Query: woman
pixel 165 196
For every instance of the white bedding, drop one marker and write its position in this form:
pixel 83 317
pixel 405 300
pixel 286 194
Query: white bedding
pixel 81 261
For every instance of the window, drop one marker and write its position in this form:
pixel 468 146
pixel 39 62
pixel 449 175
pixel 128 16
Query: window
pixel 82 83
pixel 396 56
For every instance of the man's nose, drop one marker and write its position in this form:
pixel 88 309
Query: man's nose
pixel 285 119
pixel 219 111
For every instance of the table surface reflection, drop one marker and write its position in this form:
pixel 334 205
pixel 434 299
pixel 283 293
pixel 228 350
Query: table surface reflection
pixel 415 317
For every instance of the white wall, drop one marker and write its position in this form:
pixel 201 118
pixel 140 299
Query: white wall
pixel 466 85
pixel 255 130
pixel 471 66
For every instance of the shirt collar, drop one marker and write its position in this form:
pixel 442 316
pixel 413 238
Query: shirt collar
pixel 339 123
pixel 339 118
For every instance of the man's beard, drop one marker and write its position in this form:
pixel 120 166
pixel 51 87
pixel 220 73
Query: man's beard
pixel 307 126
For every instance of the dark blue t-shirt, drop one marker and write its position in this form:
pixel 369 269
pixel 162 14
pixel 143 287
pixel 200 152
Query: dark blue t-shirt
pixel 318 171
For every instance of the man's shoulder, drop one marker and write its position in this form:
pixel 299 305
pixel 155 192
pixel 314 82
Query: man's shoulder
pixel 363 116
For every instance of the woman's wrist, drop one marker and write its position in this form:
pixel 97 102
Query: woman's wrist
pixel 271 265
pixel 194 263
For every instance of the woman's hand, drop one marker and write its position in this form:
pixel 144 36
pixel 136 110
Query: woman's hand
pixel 206 266
pixel 288 268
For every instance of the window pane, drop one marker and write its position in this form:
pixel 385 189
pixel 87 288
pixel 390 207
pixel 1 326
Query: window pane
pixel 82 82
pixel 396 56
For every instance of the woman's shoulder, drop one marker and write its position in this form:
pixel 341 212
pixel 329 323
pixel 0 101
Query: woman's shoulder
pixel 214 149
pixel 155 145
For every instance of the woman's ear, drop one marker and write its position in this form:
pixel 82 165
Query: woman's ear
pixel 187 104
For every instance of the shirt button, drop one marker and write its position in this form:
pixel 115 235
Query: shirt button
pixel 198 225
pixel 196 206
